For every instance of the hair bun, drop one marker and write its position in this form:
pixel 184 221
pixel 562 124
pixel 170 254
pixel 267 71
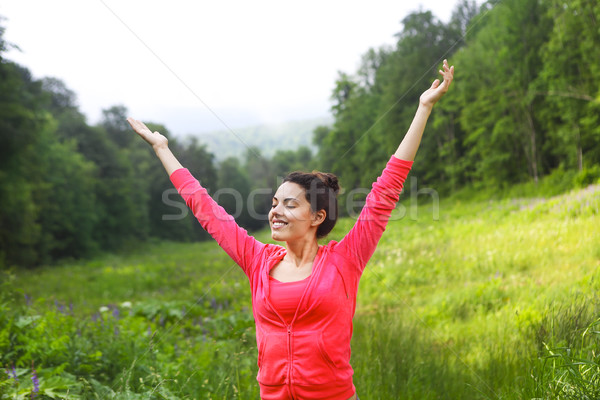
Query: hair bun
pixel 330 180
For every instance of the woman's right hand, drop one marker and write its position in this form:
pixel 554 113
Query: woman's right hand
pixel 155 139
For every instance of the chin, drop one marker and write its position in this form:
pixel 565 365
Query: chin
pixel 276 236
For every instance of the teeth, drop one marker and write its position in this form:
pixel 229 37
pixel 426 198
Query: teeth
pixel 278 224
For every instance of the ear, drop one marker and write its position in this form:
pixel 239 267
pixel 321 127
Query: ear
pixel 318 217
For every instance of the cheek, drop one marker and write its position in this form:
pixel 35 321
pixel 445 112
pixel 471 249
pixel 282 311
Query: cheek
pixel 303 216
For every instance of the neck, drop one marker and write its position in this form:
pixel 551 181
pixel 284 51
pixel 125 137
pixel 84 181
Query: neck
pixel 302 251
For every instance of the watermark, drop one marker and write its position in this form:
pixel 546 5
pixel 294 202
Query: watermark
pixel 359 203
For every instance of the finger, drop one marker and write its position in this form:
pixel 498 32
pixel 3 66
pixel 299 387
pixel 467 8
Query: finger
pixel 448 73
pixel 435 84
pixel 131 122
pixel 139 127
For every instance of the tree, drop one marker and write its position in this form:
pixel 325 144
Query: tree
pixel 46 187
pixel 499 110
pixel 114 122
pixel 285 161
pixel 65 199
pixel 21 118
pixel 569 80
pixel 234 192
pixel 422 45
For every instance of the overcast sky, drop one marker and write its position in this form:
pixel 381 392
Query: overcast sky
pixel 173 61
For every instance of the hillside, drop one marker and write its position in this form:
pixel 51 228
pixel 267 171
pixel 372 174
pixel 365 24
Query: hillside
pixel 268 138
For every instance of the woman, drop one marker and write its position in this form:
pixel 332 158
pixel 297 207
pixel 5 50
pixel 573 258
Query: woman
pixel 303 294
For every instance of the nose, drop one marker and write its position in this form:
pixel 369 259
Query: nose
pixel 275 211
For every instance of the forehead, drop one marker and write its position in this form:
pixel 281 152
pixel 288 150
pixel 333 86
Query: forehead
pixel 290 190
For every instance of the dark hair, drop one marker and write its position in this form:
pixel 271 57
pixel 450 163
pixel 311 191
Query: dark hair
pixel 320 189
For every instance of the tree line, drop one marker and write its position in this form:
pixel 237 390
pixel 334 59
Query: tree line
pixel 525 105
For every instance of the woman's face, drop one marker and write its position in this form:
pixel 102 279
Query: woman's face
pixel 291 217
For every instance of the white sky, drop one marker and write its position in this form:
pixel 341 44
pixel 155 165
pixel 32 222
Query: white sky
pixel 249 61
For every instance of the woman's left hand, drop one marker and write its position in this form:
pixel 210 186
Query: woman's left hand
pixel 437 90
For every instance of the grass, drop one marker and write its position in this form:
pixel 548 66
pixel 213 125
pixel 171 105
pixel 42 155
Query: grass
pixel 495 300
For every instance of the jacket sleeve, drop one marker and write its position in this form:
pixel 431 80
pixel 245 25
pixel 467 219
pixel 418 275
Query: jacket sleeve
pixel 236 242
pixel 360 243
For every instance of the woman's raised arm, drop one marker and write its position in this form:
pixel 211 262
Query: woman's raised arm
pixel 362 239
pixel 159 143
pixel 412 139
pixel 236 242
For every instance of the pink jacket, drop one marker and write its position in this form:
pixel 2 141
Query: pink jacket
pixel 310 357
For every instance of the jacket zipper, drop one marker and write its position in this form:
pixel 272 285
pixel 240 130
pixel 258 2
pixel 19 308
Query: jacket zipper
pixel 290 359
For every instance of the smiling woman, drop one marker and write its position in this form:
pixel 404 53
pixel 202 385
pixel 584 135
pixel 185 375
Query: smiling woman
pixel 303 293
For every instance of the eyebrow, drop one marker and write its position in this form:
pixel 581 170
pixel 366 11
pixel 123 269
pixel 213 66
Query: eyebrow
pixel 286 199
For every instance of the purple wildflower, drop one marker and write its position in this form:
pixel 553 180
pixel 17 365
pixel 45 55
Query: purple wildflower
pixel 59 307
pixel 71 308
pixel 14 374
pixel 27 300
pixel 149 330
pixel 36 382
pixel 116 313
pixel 116 331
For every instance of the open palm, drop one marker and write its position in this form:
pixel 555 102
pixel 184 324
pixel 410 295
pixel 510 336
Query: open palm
pixel 437 90
pixel 155 139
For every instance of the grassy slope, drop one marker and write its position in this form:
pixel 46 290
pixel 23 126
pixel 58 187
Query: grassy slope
pixel 465 297
pixel 452 308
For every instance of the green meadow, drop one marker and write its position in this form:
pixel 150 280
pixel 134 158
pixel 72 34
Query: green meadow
pixel 465 299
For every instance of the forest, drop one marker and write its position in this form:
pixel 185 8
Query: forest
pixel 525 106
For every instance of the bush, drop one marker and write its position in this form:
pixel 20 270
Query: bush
pixel 587 176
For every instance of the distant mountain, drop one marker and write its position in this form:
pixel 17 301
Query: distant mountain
pixel 268 138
